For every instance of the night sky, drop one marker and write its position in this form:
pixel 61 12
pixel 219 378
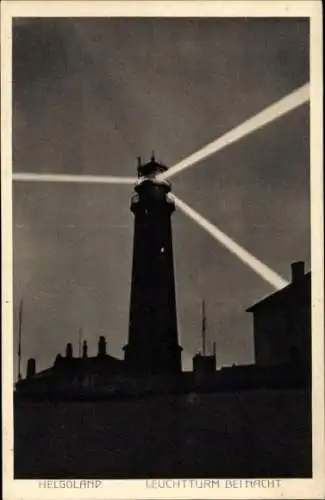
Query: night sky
pixel 89 96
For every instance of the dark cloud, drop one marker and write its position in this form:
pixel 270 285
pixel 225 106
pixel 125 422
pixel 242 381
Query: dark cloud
pixel 90 95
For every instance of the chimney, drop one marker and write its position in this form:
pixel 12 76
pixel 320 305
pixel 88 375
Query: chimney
pixel 139 165
pixel 102 346
pixel 214 354
pixel 297 271
pixel 85 349
pixel 68 351
pixel 31 367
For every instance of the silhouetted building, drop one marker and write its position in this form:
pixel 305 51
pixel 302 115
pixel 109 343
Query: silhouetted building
pixel 153 341
pixel 204 364
pixel 73 375
pixel 282 324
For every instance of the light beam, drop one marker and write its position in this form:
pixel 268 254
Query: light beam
pixel 267 115
pixel 88 179
pixel 247 258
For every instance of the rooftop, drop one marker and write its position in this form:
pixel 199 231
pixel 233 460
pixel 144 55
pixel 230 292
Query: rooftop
pixel 299 288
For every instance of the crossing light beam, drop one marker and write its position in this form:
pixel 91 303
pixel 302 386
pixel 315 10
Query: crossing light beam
pixel 276 110
pixel 247 258
pixel 87 179
pixel 267 115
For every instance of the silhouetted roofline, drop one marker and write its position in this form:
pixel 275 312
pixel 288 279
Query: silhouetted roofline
pixel 279 294
pixel 88 361
pixel 74 363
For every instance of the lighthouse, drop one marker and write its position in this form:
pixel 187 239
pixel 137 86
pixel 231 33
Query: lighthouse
pixel 153 339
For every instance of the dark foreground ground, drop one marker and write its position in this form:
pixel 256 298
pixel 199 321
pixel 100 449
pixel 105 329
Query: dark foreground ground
pixel 257 433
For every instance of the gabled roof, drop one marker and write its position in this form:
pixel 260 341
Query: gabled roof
pixel 286 294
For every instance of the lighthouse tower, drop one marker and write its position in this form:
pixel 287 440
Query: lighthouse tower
pixel 153 341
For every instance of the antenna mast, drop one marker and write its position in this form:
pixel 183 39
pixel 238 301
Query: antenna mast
pixel 203 328
pixel 19 338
